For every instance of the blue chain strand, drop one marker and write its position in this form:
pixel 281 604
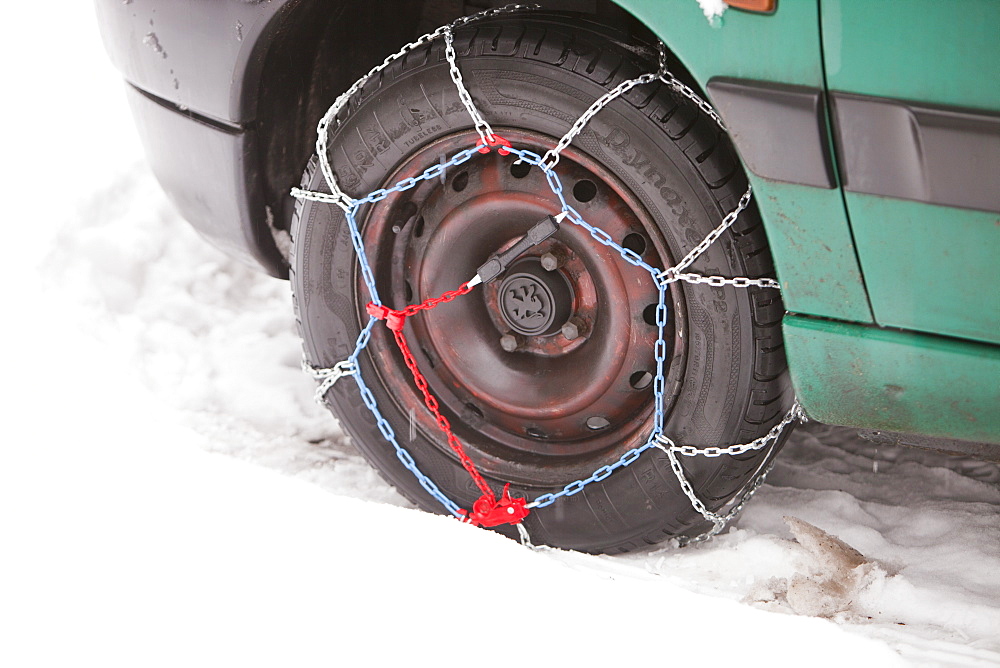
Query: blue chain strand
pixel 364 337
pixel 603 238
pixel 573 216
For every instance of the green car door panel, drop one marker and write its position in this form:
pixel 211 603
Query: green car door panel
pixel 915 93
pixel 937 52
pixel 901 102
pixel 807 226
pixel 930 268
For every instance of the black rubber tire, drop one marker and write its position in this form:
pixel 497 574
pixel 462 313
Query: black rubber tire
pixel 731 384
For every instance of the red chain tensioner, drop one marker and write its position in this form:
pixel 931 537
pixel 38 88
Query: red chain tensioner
pixel 487 511
pixel 494 141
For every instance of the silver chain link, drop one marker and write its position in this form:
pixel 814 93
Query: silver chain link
pixel 733 512
pixel 490 13
pixel 793 414
pixel 686 91
pixel 669 79
pixel 670 275
pixel 522 532
pixel 551 158
pixel 338 196
pixel 719 281
pixel 482 127
pixel 718 521
pixel 327 377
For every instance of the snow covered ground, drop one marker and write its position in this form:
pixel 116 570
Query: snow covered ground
pixel 171 495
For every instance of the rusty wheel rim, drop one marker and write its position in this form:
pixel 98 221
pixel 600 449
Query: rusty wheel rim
pixel 532 404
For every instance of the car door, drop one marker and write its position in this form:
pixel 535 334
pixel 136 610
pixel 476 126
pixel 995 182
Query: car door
pixel 915 103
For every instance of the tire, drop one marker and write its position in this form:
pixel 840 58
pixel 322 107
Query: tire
pixel 654 172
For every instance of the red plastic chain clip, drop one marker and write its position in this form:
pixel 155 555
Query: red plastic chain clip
pixel 393 319
pixel 494 141
pixel 487 511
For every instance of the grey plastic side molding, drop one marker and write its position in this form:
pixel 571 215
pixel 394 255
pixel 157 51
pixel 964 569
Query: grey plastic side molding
pixel 937 155
pixel 780 130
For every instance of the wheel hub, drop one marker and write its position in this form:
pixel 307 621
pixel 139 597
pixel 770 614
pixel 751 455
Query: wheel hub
pixel 534 302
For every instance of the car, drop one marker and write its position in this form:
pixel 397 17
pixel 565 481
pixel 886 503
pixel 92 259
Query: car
pixel 600 201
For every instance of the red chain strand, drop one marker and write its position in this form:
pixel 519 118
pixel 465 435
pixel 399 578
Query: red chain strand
pixel 442 421
pixel 487 511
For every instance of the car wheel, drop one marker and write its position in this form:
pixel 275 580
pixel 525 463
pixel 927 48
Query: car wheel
pixel 539 402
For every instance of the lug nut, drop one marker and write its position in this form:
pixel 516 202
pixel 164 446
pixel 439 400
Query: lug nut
pixel 550 262
pixel 510 342
pixel 573 329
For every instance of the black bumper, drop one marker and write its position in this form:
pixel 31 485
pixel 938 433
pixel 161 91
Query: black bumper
pixel 194 69
pixel 210 172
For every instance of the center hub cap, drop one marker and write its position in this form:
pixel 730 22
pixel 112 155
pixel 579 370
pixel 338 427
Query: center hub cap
pixel 534 302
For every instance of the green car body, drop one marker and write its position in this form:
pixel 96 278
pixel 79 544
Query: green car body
pixel 894 303
pixel 869 129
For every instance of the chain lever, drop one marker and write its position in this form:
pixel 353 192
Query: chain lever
pixel 489 511
pixel 498 262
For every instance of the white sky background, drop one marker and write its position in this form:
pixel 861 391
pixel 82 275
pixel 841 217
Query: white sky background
pixel 143 370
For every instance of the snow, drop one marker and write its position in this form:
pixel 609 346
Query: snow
pixel 713 10
pixel 172 496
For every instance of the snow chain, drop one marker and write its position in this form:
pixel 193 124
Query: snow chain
pixel 490 510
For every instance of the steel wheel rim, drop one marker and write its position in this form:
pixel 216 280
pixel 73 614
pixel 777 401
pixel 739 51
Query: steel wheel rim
pixel 551 409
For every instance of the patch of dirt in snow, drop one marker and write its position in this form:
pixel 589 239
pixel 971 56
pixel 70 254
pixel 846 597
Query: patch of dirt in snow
pixel 216 342
pixel 834 583
pixel 930 575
